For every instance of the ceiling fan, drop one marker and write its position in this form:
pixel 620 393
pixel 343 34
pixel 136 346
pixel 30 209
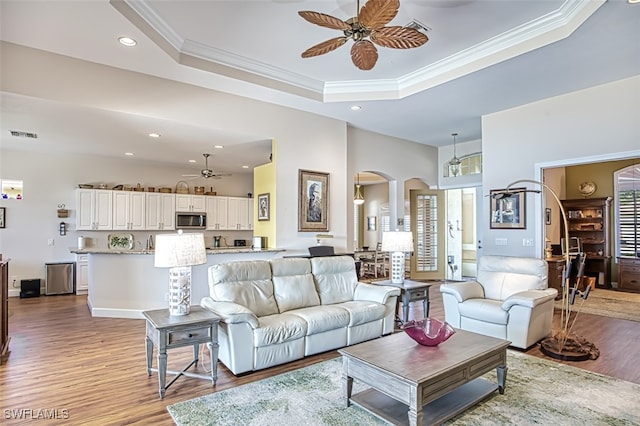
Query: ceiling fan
pixel 207 173
pixel 367 27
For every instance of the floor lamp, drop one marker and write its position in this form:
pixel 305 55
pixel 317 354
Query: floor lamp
pixel 562 344
pixel 179 252
pixel 398 243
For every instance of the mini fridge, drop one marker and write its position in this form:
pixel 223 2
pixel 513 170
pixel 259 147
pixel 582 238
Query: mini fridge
pixel 60 278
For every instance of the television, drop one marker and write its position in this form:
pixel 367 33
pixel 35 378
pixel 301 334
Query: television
pixel 575 246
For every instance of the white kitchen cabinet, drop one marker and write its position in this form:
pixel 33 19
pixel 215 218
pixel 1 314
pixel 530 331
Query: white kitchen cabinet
pixel 217 214
pixel 129 210
pixel 94 209
pixel 239 213
pixel 161 211
pixel 82 273
pixel 190 203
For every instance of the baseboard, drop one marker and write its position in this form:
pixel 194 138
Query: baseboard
pixel 116 313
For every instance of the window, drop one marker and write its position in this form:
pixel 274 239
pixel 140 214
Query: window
pixel 469 165
pixel 627 210
pixel 427 233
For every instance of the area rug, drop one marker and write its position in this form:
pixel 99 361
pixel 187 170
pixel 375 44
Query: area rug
pixel 609 303
pixel 538 391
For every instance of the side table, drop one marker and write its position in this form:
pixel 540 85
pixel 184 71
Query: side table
pixel 411 291
pixel 168 332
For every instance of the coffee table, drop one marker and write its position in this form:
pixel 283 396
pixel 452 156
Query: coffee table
pixel 421 385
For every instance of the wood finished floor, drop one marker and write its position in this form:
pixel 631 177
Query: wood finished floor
pixel 63 359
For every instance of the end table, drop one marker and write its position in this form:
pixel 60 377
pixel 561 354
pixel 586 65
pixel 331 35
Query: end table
pixel 167 332
pixel 411 291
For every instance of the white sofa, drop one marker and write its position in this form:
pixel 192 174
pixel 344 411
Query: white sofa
pixel 284 309
pixel 509 300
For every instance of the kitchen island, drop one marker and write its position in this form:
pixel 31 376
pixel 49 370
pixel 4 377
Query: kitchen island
pixel 124 283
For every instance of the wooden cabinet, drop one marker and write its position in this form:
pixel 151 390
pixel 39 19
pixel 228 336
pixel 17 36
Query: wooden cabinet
pixel 217 213
pixel 190 203
pixel 589 221
pixel 160 211
pixel 629 274
pixel 129 210
pixel 556 266
pixel 4 309
pixel 94 210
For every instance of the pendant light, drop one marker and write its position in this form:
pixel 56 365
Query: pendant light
pixel 454 163
pixel 358 199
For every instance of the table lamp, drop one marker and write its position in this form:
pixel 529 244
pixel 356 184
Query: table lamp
pixel 398 243
pixel 179 252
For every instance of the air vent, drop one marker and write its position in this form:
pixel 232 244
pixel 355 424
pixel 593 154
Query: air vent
pixel 417 25
pixel 19 134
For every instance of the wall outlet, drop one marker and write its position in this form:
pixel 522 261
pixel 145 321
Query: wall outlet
pixel 50 242
pixel 501 241
pixel 527 242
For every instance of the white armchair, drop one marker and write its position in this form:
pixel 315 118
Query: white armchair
pixel 509 300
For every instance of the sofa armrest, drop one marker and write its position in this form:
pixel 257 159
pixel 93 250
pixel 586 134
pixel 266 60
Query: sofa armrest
pixel 231 313
pixel 464 290
pixel 530 298
pixel 375 293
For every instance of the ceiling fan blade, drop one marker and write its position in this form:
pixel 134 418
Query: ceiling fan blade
pixel 324 47
pixel 376 14
pixel 364 54
pixel 398 37
pixel 324 20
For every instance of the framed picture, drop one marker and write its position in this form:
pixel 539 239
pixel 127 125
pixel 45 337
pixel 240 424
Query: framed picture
pixel 508 212
pixel 2 217
pixel 313 196
pixel 547 216
pixel 263 206
pixel 371 223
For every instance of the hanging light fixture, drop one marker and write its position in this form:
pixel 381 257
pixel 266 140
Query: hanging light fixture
pixel 358 199
pixel 454 163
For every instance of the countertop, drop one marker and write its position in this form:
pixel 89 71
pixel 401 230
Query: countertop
pixel 218 250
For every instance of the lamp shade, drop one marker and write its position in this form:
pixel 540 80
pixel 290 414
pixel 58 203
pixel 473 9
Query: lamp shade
pixel 397 241
pixel 175 250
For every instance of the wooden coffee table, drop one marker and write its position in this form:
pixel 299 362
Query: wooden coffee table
pixel 420 385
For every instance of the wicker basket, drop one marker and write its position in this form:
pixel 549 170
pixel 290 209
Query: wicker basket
pixel 182 187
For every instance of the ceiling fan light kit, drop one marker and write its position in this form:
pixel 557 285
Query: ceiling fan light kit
pixel 367 28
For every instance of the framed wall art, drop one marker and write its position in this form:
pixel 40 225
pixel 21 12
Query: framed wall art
pixel 3 211
pixel 263 206
pixel 371 223
pixel 508 211
pixel 313 199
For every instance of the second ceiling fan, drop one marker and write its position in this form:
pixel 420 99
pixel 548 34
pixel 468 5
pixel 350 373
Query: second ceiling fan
pixel 368 27
pixel 208 173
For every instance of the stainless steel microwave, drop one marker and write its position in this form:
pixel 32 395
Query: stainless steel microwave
pixel 191 220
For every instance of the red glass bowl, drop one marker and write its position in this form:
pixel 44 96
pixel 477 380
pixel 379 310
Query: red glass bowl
pixel 428 331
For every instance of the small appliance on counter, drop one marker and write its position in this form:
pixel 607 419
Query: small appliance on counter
pixel 239 243
pixel 259 243
pixel 216 240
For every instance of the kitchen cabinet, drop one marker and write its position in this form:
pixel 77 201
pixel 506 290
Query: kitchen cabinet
pixel 239 213
pixel 191 203
pixel 94 210
pixel 82 273
pixel 161 211
pixel 588 220
pixel 129 210
pixel 217 213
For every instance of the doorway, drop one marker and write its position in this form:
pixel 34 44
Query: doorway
pixel 463 239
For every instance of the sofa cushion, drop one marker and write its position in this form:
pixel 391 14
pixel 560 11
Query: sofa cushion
pixel 484 310
pixel 293 284
pixel 361 312
pixel 335 278
pixel 278 328
pixel 502 276
pixel 323 318
pixel 247 283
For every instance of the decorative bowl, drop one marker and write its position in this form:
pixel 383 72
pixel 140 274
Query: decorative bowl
pixel 428 331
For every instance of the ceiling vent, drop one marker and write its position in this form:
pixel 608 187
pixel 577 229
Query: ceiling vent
pixel 19 134
pixel 419 26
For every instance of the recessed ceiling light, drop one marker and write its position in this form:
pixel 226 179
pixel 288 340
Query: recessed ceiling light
pixel 218 146
pixel 154 135
pixel 130 154
pixel 192 161
pixel 356 107
pixel 127 41
pixel 245 167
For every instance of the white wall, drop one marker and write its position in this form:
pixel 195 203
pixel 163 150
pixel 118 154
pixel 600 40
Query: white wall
pixel 596 123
